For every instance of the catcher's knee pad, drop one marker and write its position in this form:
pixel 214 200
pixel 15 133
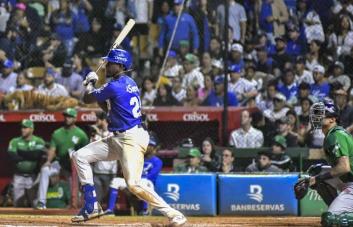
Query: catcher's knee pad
pixel 329 219
pixel 326 191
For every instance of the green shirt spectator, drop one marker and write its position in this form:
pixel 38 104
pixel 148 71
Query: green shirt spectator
pixel 192 163
pixel 58 194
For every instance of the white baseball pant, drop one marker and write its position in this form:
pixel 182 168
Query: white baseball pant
pixel 120 183
pixel 128 147
pixel 45 173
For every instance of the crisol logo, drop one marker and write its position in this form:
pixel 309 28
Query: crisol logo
pixel 88 117
pixel 2 117
pixel 173 192
pixel 42 117
pixel 256 193
pixel 196 117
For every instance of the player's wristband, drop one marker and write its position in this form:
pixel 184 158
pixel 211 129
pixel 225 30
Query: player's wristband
pixel 323 176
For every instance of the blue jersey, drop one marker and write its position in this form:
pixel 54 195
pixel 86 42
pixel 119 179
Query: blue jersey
pixel 151 168
pixel 124 100
pixel 320 91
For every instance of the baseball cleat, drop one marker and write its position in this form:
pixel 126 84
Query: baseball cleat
pixel 40 206
pixel 108 212
pixel 178 220
pixel 83 215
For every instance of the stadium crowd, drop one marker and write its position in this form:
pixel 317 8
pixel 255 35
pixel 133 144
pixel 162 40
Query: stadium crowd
pixel 284 55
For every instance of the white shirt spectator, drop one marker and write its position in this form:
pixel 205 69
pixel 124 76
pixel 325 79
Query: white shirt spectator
pixel 141 10
pixel 173 71
pixel 57 90
pixel 236 15
pixel 25 87
pixel 306 77
pixel 342 45
pixel 314 30
pixel 344 80
pixel 240 87
pixel 180 96
pixel 273 116
pixel 148 97
pixel 193 78
pixel 251 139
pixel 7 82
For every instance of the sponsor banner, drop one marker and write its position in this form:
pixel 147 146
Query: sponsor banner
pixel 45 116
pixel 192 194
pixel 257 194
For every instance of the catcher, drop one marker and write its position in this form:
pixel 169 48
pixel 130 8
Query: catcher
pixel 334 183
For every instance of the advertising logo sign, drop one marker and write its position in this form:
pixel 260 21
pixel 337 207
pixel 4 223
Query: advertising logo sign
pixel 182 192
pixel 257 194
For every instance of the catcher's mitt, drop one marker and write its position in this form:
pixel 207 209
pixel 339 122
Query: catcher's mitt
pixel 301 188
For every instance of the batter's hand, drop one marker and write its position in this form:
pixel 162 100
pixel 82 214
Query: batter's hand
pixel 91 77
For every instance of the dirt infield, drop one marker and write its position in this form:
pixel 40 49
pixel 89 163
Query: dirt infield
pixel 134 221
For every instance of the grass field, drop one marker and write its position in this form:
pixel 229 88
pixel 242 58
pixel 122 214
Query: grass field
pixel 64 220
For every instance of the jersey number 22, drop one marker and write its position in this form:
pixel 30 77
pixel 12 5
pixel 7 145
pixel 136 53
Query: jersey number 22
pixel 136 110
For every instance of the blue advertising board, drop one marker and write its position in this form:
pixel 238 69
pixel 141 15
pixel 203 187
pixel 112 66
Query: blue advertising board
pixel 257 194
pixel 192 194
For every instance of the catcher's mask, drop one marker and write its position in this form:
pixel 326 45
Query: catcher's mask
pixel 320 110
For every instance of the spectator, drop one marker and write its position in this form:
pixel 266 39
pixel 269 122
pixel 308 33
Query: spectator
pixel 125 44
pixel 338 76
pixel 312 25
pixel 210 159
pixel 54 53
pixel 304 91
pixel 246 136
pixel 347 61
pixel 93 43
pixel 172 68
pixel 21 84
pixel 178 92
pixel 7 77
pixel 239 86
pixel 217 67
pixel 284 131
pixel 295 47
pixel 289 88
pixel 321 87
pixel 278 157
pixel 281 57
pixel 272 18
pixel 341 41
pixel 184 48
pixel 62 22
pixel 303 115
pixel 227 165
pixel 151 168
pixel 206 90
pixel 302 75
pixel 236 55
pixel 117 10
pixel 250 75
pixel 313 57
pixel 4 17
pixel 237 21
pixel 206 64
pixel 191 99
pixel 25 151
pixel 265 101
pixel 292 121
pixel 279 109
pixel 264 63
pixel 49 87
pixel 165 97
pixel 9 42
pixel 70 80
pixel 345 110
pixel 215 98
pixel 192 76
pixel 192 164
pixel 80 65
pixel 103 171
pixel 64 142
pixel 263 163
pixel 215 48
pixel 148 92
pixel 58 194
pixel 81 10
pixel 186 29
pixel 199 11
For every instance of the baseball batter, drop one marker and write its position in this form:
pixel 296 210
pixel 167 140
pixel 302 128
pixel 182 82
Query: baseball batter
pixel 121 98
pixel 338 147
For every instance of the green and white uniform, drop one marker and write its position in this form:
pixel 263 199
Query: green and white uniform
pixel 58 196
pixel 339 143
pixel 65 141
pixel 26 154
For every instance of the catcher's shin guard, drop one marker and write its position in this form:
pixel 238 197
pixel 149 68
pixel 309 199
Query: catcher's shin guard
pixel 346 219
pixel 329 219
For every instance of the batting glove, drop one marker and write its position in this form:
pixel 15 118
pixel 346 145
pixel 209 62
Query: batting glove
pixel 91 77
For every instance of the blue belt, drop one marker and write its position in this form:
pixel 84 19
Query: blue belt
pixel 122 131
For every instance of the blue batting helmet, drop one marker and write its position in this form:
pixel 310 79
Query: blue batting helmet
pixel 235 68
pixel 119 56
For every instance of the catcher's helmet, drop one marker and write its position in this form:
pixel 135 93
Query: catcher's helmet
pixel 320 110
pixel 119 56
